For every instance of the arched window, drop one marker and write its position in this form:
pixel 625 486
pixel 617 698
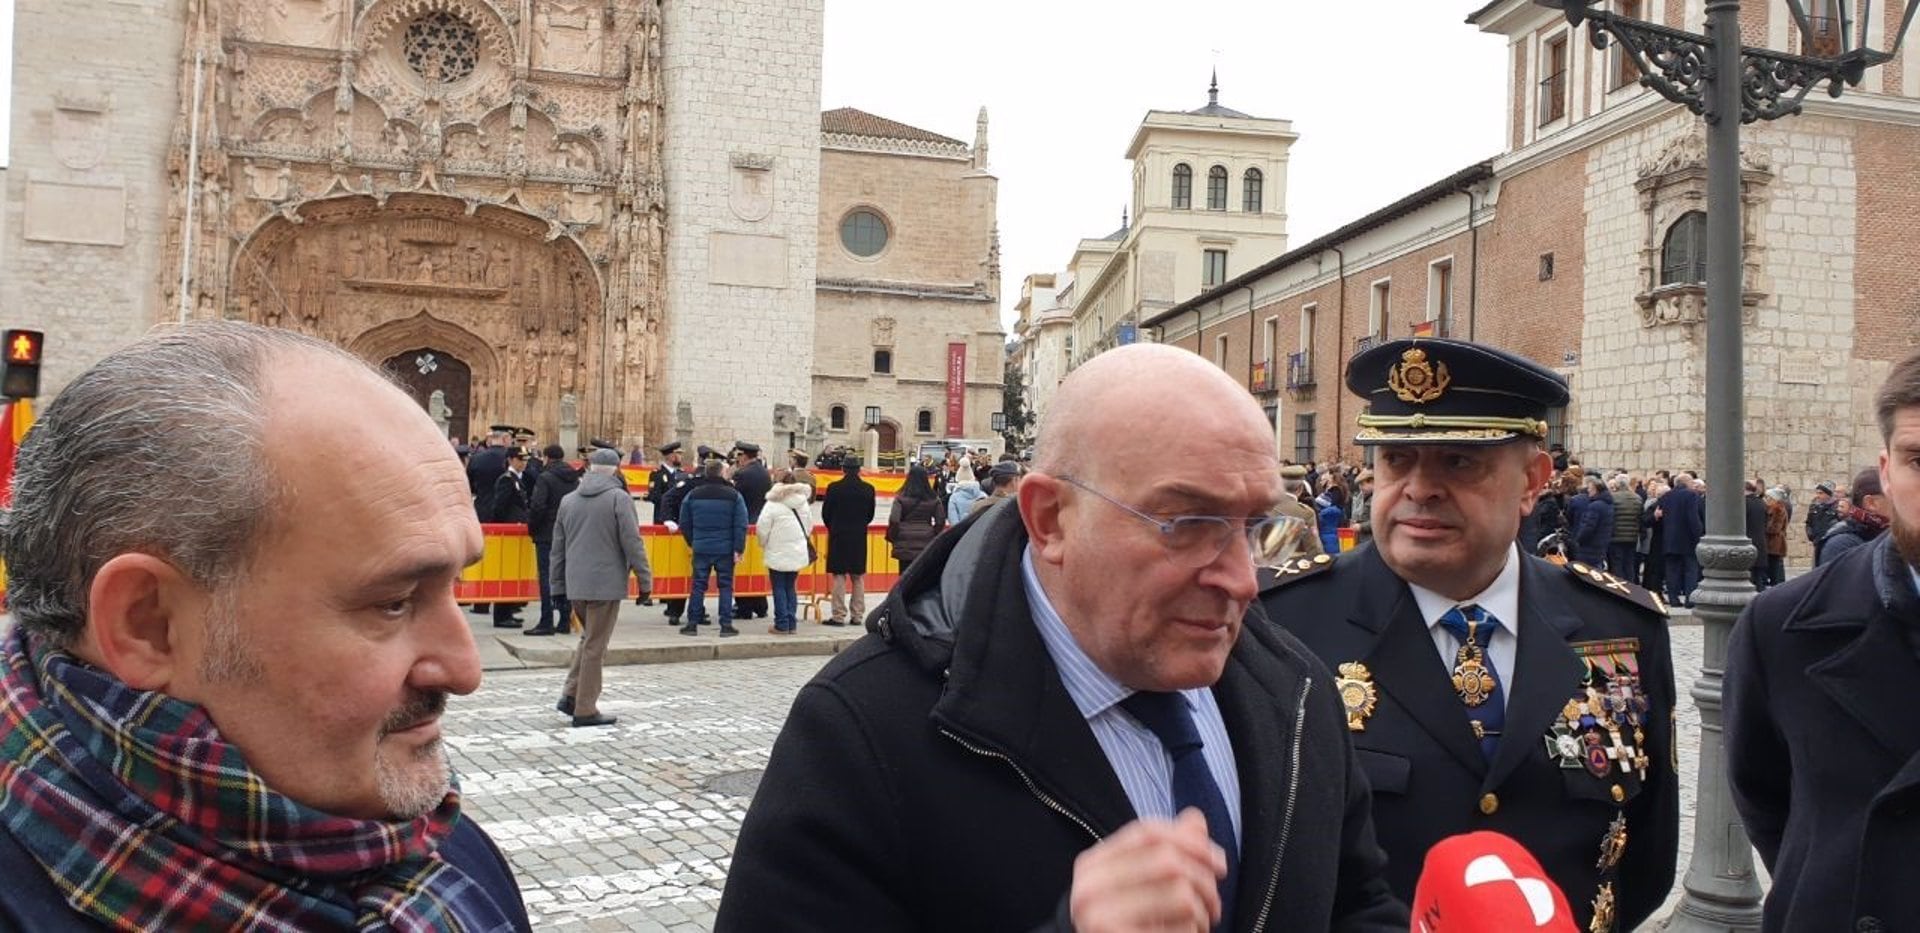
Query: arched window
pixel 837 417
pixel 1217 188
pixel 1683 258
pixel 1250 201
pixel 923 422
pixel 1182 187
pixel 883 361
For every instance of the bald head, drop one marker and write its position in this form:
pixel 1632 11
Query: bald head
pixel 1139 401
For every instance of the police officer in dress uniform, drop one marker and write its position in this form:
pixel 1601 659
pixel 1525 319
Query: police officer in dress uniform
pixel 1486 688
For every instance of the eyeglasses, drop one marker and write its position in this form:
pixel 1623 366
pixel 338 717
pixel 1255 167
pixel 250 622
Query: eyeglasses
pixel 1198 540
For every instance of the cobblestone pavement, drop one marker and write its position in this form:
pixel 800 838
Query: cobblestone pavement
pixel 631 827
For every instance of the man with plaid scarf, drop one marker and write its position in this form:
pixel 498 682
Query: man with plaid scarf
pixel 220 703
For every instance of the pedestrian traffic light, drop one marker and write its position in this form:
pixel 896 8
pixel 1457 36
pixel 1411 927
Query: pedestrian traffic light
pixel 21 375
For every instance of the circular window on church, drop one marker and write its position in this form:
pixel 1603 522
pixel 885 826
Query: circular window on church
pixel 441 47
pixel 863 233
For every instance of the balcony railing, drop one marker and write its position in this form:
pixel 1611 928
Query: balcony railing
pixel 1553 97
pixel 1299 370
pixel 1366 343
pixel 1260 379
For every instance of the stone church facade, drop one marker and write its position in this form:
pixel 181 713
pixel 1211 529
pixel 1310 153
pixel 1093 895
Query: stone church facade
pixel 549 213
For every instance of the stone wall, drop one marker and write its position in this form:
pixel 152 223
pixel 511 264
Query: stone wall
pixel 86 194
pixel 742 157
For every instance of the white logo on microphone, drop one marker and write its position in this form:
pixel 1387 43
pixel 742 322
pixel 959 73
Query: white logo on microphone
pixel 1491 868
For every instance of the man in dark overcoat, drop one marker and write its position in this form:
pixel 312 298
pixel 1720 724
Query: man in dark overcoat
pixel 751 478
pixel 1487 689
pixel 1063 718
pixel 847 511
pixel 509 508
pixel 1823 747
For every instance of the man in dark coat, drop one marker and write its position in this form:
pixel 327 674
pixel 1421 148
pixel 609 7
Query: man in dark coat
pixel 666 476
pixel 847 511
pixel 1822 513
pixel 558 479
pixel 751 478
pixel 1683 522
pixel 509 508
pixel 484 466
pixel 713 520
pixel 1823 749
pixel 1756 527
pixel 982 759
pixel 1864 519
pixel 1487 689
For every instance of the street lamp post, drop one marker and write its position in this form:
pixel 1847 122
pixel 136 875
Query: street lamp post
pixel 1728 84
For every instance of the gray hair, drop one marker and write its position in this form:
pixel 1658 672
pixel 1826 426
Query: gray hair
pixel 714 469
pixel 159 448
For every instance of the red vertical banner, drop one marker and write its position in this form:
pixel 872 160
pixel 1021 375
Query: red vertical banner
pixel 956 390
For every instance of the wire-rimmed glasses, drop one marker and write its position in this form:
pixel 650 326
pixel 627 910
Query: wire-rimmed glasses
pixel 1195 541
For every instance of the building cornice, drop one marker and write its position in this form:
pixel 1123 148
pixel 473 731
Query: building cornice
pixel 928 149
pixel 903 289
pixel 1641 111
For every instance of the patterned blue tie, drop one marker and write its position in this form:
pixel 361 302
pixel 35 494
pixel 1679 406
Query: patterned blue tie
pixel 1489 716
pixel 1167 717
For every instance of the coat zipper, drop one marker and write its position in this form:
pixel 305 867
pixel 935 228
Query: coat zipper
pixel 1032 788
pixel 1293 794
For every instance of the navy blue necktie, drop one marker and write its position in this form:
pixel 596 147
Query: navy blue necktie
pixel 1167 717
pixel 1489 717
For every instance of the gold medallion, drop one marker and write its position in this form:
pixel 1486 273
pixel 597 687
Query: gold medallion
pixel 1602 910
pixel 1614 844
pixel 1413 380
pixel 1357 694
pixel 1471 678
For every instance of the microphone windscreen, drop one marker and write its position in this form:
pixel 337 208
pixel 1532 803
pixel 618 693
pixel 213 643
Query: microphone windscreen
pixel 1485 882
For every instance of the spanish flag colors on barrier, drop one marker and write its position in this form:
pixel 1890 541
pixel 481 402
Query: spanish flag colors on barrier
pixel 507 570
pixel 884 483
pixel 13 426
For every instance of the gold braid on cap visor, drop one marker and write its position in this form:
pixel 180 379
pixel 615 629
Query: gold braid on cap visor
pixel 1465 425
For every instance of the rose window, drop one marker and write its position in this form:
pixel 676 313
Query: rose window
pixel 441 47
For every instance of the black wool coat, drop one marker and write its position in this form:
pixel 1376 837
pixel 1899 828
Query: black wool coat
pixel 1429 778
pixel 847 510
pixel 936 776
pixel 1823 747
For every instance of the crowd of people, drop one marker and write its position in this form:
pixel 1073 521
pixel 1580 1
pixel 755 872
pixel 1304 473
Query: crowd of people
pixel 1134 699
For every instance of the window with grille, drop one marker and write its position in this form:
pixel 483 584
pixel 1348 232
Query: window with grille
pixel 923 422
pixel 1683 258
pixel 1303 438
pixel 1553 84
pixel 1250 191
pixel 1217 188
pixel 837 417
pixel 883 361
pixel 1182 187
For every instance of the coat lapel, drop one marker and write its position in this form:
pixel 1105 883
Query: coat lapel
pixel 1872 679
pixel 1404 663
pixel 1546 672
pixel 1260 738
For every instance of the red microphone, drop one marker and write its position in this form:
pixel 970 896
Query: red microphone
pixel 1485 882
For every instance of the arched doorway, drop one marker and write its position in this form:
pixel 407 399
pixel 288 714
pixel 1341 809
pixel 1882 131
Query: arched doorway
pixel 424 370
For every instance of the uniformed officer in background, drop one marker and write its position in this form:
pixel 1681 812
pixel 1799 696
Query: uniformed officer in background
pixel 1486 688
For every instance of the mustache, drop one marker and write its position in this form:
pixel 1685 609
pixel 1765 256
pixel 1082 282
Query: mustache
pixel 420 707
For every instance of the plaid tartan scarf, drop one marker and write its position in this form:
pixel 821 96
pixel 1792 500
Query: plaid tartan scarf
pixel 147 819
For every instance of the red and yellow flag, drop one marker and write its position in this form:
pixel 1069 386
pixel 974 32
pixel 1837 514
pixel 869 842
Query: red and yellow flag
pixel 14 422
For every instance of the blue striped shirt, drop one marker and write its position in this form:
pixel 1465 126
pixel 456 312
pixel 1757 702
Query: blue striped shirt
pixel 1143 766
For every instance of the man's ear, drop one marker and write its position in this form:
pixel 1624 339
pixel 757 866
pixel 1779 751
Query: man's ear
pixel 1041 507
pixel 141 618
pixel 1539 471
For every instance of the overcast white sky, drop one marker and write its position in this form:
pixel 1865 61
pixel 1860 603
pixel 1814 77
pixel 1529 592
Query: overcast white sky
pixel 1387 96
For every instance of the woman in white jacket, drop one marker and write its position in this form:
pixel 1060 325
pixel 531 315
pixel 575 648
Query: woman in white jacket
pixel 785 528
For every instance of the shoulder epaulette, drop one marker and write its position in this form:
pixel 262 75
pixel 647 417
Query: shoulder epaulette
pixel 1606 582
pixel 1299 569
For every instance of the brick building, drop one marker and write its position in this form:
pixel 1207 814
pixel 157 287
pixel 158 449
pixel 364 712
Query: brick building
pixel 908 290
pixel 1582 247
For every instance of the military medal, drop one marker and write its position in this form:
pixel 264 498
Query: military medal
pixel 1471 679
pixel 1357 694
pixel 1563 748
pixel 1614 844
pixel 1602 910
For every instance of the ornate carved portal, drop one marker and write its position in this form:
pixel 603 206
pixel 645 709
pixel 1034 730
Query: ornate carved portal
pixel 487 296
pixel 426 370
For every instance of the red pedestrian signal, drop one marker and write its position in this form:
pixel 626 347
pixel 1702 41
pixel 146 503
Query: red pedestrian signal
pixel 20 377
